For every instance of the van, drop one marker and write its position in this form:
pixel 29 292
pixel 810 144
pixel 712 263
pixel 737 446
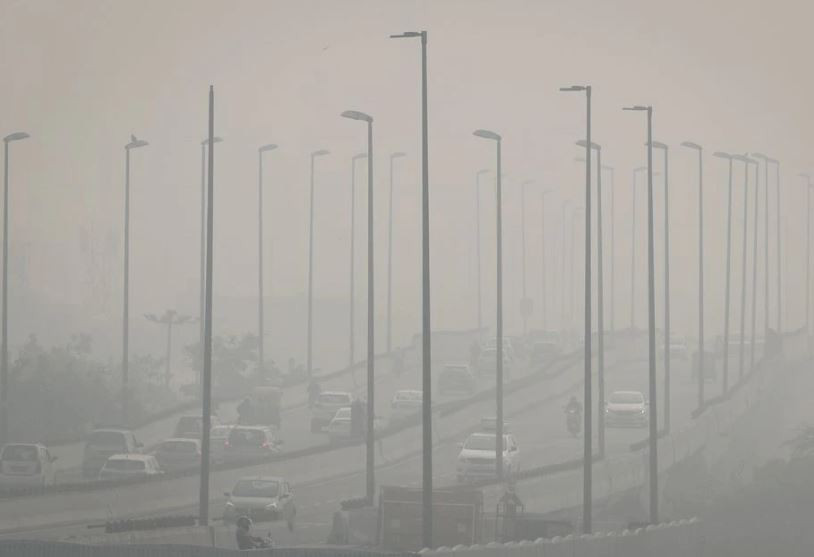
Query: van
pixel 25 465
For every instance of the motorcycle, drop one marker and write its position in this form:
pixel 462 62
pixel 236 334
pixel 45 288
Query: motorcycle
pixel 573 420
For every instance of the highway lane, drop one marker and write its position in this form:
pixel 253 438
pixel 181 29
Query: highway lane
pixel 295 411
pixel 55 508
pixel 540 430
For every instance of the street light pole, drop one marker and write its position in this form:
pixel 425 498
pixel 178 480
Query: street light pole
pixel 4 371
pixel 766 160
pixel 486 134
pixel 665 148
pixel 701 373
pixel 477 249
pixel 587 457
pixel 612 250
pixel 352 302
pixel 206 392
pixel 754 263
pixel 543 237
pixel 393 156
pixel 742 346
pixel 370 437
pixel 426 406
pixel 651 301
pixel 169 319
pixel 807 178
pixel 260 324
pixel 636 171
pixel 202 287
pixel 524 304
pixel 600 313
pixel 779 253
pixel 310 333
pixel 134 144
pixel 728 158
pixel 564 261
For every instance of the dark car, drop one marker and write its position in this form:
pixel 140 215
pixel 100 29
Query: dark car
pixel 104 443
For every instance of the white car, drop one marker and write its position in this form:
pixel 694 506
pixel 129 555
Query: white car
pixel 25 465
pixel 339 426
pixel 261 498
pixel 125 466
pixel 326 406
pixel 626 409
pixel 477 457
pixel 406 403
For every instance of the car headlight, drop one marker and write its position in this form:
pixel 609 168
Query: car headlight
pixel 230 504
pixel 271 507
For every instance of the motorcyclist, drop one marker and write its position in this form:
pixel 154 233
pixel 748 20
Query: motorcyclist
pixel 245 540
pixel 573 406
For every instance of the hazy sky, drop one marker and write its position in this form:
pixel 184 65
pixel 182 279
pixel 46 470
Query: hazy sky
pixel 81 76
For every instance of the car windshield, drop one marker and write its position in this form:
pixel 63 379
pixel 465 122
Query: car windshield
pixel 25 453
pixel 483 442
pixel 256 488
pixel 240 437
pixel 178 447
pixel 334 398
pixel 627 398
pixel 125 465
pixel 113 439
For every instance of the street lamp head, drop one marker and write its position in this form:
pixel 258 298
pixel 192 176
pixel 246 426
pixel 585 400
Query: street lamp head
pixel 573 88
pixel 640 169
pixel 356 115
pixel 319 153
pixel 482 171
pixel 805 177
pixel 407 35
pixel 691 145
pixel 269 147
pixel 638 108
pixel 722 155
pixel 658 145
pixel 135 143
pixel 547 191
pixel 215 139
pixel 359 156
pixel 398 155
pixel 583 143
pixel 486 134
pixel 16 136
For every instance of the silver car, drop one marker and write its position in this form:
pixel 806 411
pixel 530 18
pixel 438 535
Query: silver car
pixel 261 498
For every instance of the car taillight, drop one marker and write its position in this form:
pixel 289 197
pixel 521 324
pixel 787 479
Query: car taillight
pixel 226 444
pixel 265 445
